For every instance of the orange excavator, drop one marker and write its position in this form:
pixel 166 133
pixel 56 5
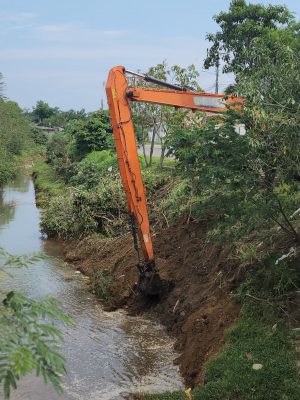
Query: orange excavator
pixel 119 96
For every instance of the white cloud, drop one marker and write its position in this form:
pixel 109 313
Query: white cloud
pixel 76 33
pixel 17 17
pixel 73 59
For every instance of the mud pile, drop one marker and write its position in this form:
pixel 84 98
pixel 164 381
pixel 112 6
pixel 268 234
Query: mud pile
pixel 196 308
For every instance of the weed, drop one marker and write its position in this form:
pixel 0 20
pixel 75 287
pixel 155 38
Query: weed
pixel 102 281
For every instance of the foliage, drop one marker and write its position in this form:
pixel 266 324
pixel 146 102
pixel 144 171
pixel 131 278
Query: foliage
pixel 240 25
pixel 82 211
pixel 1 87
pixel 46 182
pixel 29 336
pixel 42 112
pixel 29 343
pixel 101 283
pixel 272 110
pixel 161 121
pixel 38 136
pixel 94 200
pixel 58 155
pixel 260 337
pixel 154 179
pixel 102 279
pixel 248 180
pixel 181 199
pixel 231 375
pixel 91 134
pixel 45 115
pixel 7 169
pixel 93 167
pixel 14 136
pixel 57 146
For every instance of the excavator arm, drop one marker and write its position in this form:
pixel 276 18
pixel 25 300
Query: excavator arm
pixel 119 96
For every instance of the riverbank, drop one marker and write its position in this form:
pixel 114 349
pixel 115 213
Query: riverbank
pixel 214 297
pixel 196 308
pixel 107 355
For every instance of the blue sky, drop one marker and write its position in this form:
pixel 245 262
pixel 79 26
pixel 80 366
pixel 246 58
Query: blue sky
pixel 61 51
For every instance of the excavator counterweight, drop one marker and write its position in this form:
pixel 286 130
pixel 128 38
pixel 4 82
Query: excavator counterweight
pixel 119 97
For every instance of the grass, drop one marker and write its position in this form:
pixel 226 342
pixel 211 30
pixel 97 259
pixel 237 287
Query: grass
pixel 46 182
pixel 168 163
pixel 101 283
pixel 101 280
pixel 260 337
pixel 231 375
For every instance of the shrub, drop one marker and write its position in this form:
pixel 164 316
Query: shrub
pixel 94 167
pixel 82 211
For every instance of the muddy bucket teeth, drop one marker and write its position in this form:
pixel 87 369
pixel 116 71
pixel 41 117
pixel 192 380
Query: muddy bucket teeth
pixel 150 282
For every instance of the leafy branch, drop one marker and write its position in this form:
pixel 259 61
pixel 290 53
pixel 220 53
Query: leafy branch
pixel 29 336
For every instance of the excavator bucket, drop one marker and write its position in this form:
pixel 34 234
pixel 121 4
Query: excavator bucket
pixel 150 282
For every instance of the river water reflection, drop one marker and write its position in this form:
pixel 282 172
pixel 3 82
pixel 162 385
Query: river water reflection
pixel 108 354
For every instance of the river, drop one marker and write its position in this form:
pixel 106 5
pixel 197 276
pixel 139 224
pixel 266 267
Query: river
pixel 108 355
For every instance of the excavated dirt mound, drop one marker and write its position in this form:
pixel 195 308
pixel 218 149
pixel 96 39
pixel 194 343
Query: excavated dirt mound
pixel 196 306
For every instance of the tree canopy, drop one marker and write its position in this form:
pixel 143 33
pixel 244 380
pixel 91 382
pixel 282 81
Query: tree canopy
pixel 240 25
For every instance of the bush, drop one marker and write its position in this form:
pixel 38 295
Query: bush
pixel 94 167
pixel 38 136
pixel 180 200
pixel 7 169
pixel 14 135
pixel 91 134
pixel 81 211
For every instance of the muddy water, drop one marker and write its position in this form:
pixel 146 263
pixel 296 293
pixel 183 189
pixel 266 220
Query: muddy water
pixel 108 355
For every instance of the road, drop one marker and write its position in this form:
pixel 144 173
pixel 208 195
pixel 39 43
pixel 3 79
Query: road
pixel 156 150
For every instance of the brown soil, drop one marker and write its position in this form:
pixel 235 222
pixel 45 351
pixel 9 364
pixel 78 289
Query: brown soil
pixel 196 308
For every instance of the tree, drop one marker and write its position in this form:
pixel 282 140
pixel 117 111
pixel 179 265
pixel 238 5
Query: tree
pixel 43 114
pixel 1 87
pixel 160 121
pixel 29 337
pixel 91 134
pixel 239 27
pixel 14 135
pixel 248 181
pixel 42 111
pixel 38 136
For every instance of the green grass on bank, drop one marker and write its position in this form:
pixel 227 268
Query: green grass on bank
pixel 251 344
pixel 260 337
pixel 46 182
pixel 259 361
pixel 231 376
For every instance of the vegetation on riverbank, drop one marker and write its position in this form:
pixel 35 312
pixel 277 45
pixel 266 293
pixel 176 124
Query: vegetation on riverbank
pixel 19 141
pixel 14 136
pixel 258 360
pixel 29 335
pixel 240 192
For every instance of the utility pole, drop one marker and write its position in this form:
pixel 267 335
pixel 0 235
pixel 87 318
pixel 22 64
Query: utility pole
pixel 217 76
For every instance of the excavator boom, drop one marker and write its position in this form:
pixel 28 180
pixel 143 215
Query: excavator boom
pixel 119 97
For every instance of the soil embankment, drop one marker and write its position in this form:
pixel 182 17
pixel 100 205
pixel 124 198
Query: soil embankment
pixel 196 308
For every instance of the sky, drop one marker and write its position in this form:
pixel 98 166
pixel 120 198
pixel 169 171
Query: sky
pixel 60 51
